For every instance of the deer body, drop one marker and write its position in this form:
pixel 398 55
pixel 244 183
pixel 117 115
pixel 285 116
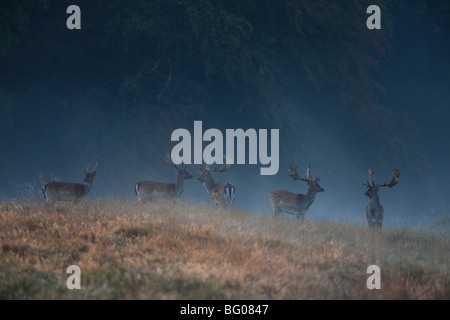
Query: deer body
pixel 64 191
pixel 159 191
pixel 154 191
pixel 295 203
pixel 374 211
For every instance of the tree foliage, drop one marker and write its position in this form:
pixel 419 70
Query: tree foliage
pixel 148 65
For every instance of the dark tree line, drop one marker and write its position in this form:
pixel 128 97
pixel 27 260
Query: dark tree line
pixel 148 67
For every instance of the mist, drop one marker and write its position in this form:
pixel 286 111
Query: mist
pixel 68 101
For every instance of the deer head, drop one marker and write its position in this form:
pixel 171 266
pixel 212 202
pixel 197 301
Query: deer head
pixel 89 175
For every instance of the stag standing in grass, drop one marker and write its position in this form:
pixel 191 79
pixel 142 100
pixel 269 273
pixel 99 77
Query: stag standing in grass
pixel 63 191
pixel 222 194
pixel 295 203
pixel 374 210
pixel 158 191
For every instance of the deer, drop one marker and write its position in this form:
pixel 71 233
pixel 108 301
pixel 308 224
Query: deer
pixel 148 191
pixel 65 191
pixel 222 194
pixel 295 203
pixel 374 210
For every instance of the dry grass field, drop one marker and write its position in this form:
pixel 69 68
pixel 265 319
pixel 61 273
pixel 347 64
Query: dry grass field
pixel 186 251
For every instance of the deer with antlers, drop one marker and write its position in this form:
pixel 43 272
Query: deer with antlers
pixel 222 194
pixel 64 191
pixel 159 191
pixel 295 203
pixel 374 210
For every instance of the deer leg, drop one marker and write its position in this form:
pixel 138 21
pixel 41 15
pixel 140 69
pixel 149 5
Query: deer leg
pixel 216 204
pixel 276 211
pixel 373 225
pixel 146 200
pixel 223 203
pixel 379 225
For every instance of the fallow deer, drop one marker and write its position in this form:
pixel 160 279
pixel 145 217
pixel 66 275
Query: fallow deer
pixel 222 194
pixel 295 203
pixel 64 191
pixel 374 210
pixel 159 191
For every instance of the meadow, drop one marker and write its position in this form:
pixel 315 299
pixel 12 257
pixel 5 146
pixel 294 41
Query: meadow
pixel 127 250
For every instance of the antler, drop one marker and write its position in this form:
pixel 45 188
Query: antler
pixel 226 166
pixel 293 173
pixel 95 168
pixel 169 161
pixel 308 173
pixel 394 180
pixel 207 167
pixel 371 172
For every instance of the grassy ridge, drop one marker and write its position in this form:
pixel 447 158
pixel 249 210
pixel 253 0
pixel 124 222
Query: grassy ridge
pixel 184 251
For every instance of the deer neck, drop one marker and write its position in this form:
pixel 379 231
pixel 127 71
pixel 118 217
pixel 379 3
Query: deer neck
pixel 310 196
pixel 209 184
pixel 179 185
pixel 87 187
